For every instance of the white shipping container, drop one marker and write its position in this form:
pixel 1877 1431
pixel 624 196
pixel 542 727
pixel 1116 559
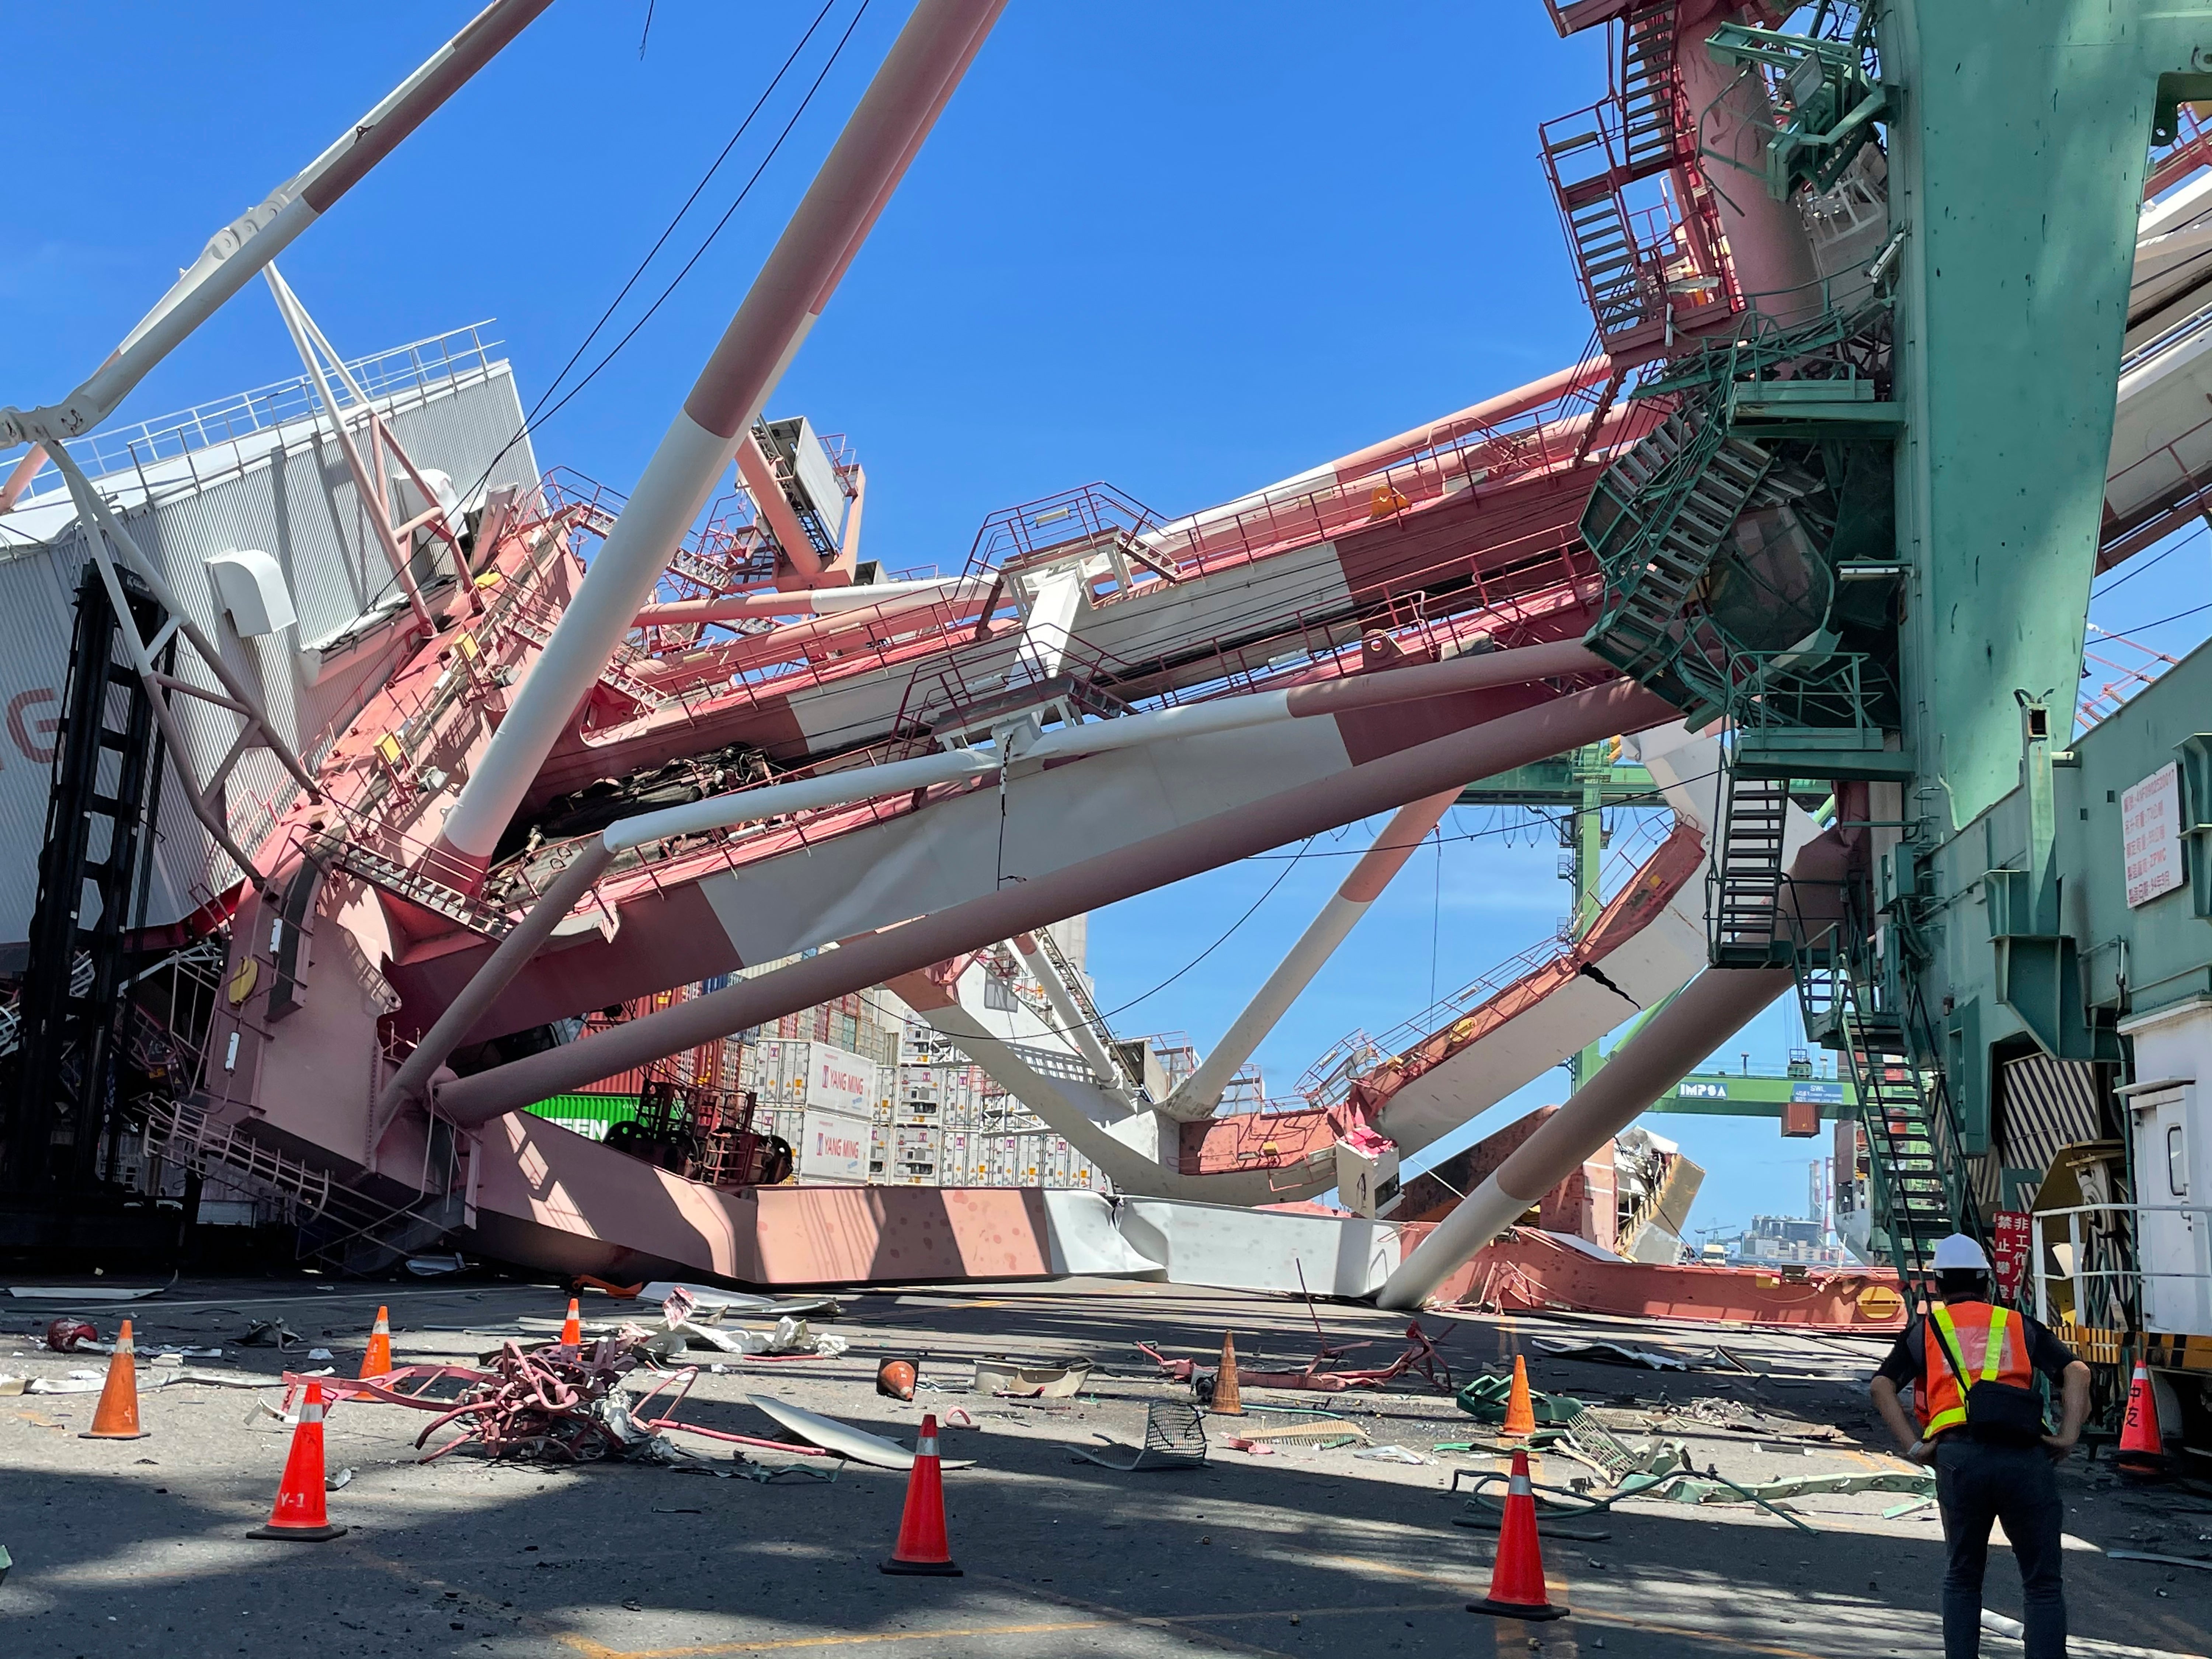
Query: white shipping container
pixel 834 1145
pixel 799 1072
pixel 918 1152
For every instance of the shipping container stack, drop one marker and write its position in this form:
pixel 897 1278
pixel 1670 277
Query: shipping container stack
pixel 780 1056
pixel 937 1121
pixel 952 1125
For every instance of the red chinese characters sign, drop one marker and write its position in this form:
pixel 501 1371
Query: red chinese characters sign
pixel 2009 1248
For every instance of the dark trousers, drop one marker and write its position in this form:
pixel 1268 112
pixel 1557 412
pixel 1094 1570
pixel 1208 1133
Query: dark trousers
pixel 1976 1485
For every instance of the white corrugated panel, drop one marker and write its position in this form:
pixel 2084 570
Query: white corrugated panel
pixel 295 503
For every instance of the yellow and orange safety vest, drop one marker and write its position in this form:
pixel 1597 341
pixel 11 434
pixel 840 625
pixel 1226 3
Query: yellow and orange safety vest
pixel 1991 1350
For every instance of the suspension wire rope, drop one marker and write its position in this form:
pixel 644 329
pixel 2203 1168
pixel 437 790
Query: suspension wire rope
pixel 2135 569
pixel 545 408
pixel 1289 860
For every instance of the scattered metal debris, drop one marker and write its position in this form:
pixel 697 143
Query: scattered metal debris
pixel 1322 1374
pixel 1175 1438
pixel 271 1333
pixel 82 1382
pixel 843 1438
pixel 1484 1400
pixel 2202 1563
pixel 1390 1454
pixel 1324 1429
pixel 1614 1353
pixel 791 1338
pixel 712 1299
pixel 87 1292
pixel 1001 1374
pixel 560 1405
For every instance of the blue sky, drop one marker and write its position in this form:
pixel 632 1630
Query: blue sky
pixel 1185 249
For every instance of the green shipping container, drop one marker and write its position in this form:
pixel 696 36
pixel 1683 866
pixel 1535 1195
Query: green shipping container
pixel 590 1116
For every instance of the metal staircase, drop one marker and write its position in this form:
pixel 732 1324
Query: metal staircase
pixel 418 889
pixel 1744 889
pixel 341 1226
pixel 1079 993
pixel 1647 90
pixel 175 1130
pixel 1658 519
pixel 1641 222
pixel 1625 303
pixel 612 676
pixel 1922 1187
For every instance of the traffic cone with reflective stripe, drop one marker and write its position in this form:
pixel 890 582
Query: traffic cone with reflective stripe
pixel 1520 1412
pixel 1228 1398
pixel 923 1550
pixel 2143 1447
pixel 572 1328
pixel 377 1360
pixel 115 1417
pixel 299 1515
pixel 1516 1581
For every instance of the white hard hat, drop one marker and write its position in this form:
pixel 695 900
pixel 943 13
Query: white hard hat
pixel 1959 1251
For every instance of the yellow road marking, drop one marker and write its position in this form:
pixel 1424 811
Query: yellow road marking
pixel 592 1650
pixel 1114 1617
pixel 1620 1620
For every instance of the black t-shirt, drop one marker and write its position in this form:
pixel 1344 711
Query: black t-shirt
pixel 1907 1363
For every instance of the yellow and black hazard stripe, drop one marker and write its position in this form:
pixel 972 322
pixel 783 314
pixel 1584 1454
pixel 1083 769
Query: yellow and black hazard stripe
pixel 2157 1349
pixel 2098 1348
pixel 2177 1354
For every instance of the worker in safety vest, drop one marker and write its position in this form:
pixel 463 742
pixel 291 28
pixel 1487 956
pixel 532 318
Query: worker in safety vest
pixel 1972 1367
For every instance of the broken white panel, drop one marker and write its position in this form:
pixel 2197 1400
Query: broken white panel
pixel 1367 1173
pixel 1080 1235
pixel 447 501
pixel 1239 1249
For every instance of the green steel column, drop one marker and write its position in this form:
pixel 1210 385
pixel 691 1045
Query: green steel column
pixel 2018 143
pixel 2042 816
pixel 1591 766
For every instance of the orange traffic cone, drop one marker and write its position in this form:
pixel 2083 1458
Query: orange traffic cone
pixel 377 1360
pixel 922 1550
pixel 115 1417
pixel 572 1328
pixel 2142 1449
pixel 1517 1580
pixel 1228 1398
pixel 299 1515
pixel 1519 1412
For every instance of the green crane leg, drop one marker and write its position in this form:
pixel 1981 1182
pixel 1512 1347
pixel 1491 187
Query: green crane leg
pixel 2018 144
